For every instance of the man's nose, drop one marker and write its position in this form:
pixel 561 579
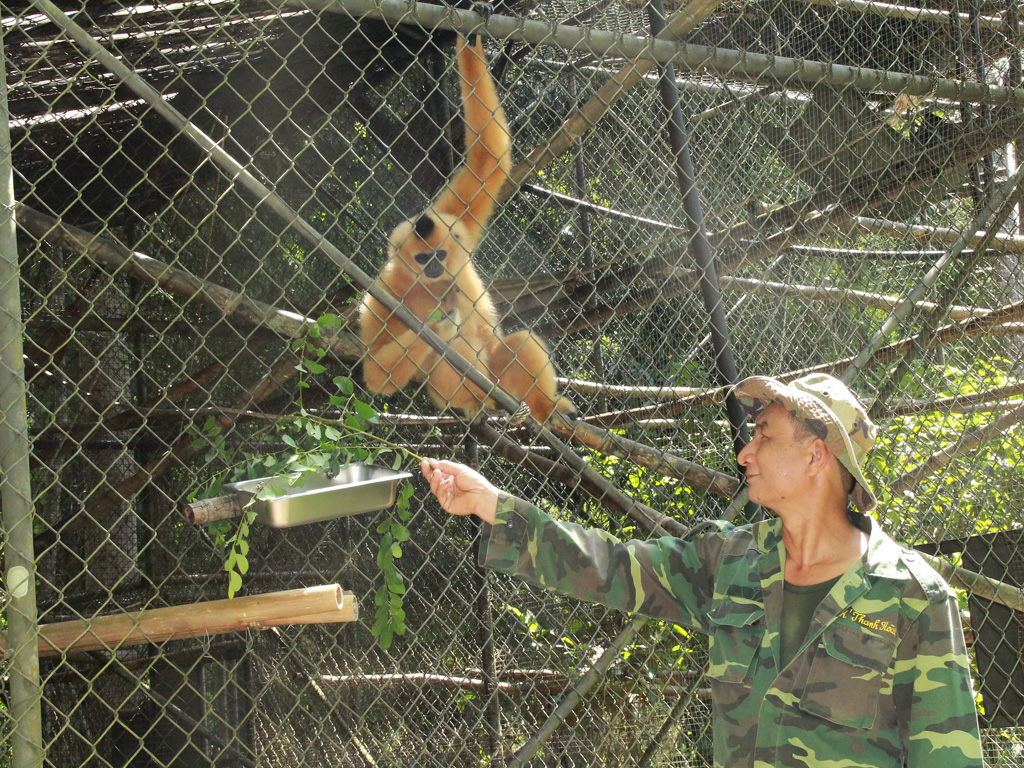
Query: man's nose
pixel 743 457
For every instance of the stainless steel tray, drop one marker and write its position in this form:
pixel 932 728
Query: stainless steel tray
pixel 356 489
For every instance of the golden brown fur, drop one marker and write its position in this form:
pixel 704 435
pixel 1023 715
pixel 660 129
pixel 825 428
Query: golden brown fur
pixel 430 270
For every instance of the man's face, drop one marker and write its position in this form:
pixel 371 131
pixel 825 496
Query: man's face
pixel 776 462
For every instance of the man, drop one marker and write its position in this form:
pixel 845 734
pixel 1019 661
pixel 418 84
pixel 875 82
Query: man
pixel 829 644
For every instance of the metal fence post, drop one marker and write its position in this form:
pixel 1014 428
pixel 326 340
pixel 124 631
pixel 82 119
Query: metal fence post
pixel 15 494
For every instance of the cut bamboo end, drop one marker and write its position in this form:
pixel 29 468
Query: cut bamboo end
pixel 209 510
pixel 314 605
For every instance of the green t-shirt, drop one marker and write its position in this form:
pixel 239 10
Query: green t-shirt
pixel 798 604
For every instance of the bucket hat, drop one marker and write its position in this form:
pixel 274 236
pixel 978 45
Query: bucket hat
pixel 830 410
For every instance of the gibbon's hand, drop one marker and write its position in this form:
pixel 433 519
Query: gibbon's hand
pixel 461 490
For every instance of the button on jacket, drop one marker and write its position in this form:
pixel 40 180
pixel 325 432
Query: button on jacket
pixel 882 678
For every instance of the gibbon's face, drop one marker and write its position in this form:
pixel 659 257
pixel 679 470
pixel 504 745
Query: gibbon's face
pixel 431 247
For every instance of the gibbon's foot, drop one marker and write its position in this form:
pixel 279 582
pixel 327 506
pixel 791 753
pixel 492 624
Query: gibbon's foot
pixel 519 415
pixel 484 9
pixel 448 326
pixel 566 408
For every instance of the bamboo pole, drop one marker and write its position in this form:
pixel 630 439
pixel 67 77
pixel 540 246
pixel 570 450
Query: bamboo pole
pixel 705 395
pixel 978 584
pixel 313 605
pixel 209 510
pixel 956 403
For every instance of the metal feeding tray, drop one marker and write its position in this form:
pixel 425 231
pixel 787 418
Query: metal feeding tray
pixel 355 489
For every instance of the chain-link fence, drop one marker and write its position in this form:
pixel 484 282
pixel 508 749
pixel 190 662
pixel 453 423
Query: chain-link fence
pixel 202 191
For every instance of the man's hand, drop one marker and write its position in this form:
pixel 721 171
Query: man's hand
pixel 461 490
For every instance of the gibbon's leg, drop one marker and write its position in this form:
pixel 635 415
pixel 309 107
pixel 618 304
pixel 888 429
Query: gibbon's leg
pixel 392 365
pixel 450 389
pixel 523 368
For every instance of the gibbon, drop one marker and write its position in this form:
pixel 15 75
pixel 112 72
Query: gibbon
pixel 430 270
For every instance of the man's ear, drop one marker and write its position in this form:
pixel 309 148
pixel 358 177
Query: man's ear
pixel 820 453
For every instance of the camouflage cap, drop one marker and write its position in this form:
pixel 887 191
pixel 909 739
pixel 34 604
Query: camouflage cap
pixel 830 410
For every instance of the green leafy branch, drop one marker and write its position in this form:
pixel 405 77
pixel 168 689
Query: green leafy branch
pixel 315 444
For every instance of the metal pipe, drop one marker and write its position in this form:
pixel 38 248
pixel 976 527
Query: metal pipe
pixel 700 247
pixel 726 63
pixel 574 695
pixel 16 492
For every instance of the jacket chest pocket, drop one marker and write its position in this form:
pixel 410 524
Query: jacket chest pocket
pixel 737 631
pixel 844 683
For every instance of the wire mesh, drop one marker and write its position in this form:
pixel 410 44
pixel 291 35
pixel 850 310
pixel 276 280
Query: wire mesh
pixel 179 333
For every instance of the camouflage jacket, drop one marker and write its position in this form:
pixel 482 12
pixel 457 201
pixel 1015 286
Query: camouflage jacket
pixel 881 680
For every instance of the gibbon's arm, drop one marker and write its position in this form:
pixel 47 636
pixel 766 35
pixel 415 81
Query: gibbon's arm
pixel 471 194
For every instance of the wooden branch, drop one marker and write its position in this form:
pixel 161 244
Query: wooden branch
pixel 576 204
pixel 968 442
pixel 649 519
pixel 323 604
pixel 958 403
pixel 1001 241
pixel 910 13
pixel 528 682
pixel 148 270
pixel 973 328
pixel 788 226
pixel 658 460
pixel 841 295
pixel 705 395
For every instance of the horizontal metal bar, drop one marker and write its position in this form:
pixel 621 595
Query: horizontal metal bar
pixel 723 62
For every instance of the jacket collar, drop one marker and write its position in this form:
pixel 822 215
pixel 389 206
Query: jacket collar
pixel 884 558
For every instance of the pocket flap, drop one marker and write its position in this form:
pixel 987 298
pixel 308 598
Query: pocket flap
pixel 730 613
pixel 861 649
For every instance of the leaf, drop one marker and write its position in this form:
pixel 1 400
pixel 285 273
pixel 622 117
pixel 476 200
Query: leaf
pixel 396 550
pixel 329 320
pixel 365 410
pixel 396 584
pixel 234 583
pixel 315 368
pixel 344 384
